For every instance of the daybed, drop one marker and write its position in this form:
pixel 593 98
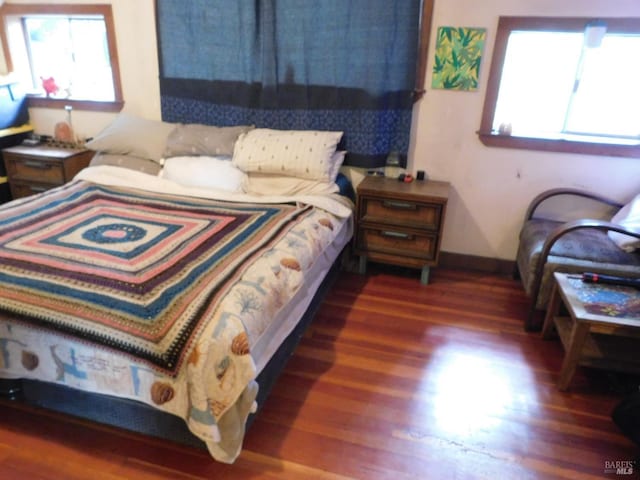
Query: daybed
pixel 591 234
pixel 181 287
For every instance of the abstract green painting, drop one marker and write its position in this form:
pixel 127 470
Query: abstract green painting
pixel 458 56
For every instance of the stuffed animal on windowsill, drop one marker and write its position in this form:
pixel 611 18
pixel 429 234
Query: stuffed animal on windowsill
pixel 49 85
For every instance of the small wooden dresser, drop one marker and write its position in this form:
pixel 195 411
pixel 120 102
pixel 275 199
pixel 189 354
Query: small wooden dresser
pixel 400 223
pixel 34 169
pixel 10 137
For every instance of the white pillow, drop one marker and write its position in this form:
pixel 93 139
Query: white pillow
pixel 272 184
pixel 629 218
pixel 294 153
pixel 205 172
pixel 196 139
pixel 337 159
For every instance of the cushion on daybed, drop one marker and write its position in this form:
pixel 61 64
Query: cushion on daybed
pixel 578 251
pixel 628 217
pixel 585 244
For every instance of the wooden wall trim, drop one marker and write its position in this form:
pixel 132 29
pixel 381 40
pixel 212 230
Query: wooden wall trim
pixel 473 262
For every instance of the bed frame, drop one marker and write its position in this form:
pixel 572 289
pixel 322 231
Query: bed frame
pixel 141 418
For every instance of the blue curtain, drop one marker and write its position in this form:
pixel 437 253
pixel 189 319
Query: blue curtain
pixel 345 65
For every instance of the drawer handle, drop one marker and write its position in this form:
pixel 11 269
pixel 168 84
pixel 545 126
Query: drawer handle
pixel 38 189
pixel 390 234
pixel 399 205
pixel 40 165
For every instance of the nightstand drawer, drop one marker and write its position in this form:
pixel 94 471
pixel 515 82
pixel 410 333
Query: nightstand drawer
pixel 395 241
pixel 36 170
pixel 401 212
pixel 20 190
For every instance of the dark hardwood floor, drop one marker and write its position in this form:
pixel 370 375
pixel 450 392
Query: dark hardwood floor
pixel 394 380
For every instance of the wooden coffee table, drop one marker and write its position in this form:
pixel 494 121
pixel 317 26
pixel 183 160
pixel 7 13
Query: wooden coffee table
pixel 599 325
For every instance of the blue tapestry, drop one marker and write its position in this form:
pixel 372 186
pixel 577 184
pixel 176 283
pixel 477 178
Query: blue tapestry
pixel 290 64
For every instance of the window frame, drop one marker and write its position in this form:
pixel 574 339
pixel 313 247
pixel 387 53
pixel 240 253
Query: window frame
pixel 508 24
pixel 12 10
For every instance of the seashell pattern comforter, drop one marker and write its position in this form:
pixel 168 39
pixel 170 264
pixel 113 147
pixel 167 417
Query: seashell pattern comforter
pixel 152 296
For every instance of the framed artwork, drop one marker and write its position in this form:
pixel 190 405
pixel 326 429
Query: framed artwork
pixel 457 58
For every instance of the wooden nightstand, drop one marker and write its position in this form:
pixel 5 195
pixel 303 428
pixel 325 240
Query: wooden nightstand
pixel 39 168
pixel 400 223
pixel 10 137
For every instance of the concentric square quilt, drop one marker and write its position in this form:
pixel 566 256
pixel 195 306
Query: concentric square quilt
pixel 138 273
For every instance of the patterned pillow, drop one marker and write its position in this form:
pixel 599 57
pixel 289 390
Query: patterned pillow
pixel 294 153
pixel 196 139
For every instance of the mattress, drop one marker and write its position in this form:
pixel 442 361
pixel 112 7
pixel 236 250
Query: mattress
pixel 210 381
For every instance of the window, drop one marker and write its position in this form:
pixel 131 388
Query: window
pixel 63 54
pixel 564 84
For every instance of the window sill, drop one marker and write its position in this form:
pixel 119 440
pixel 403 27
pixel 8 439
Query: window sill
pixel 559 145
pixel 59 103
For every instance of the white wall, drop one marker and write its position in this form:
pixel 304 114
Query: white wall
pixel 490 186
pixel 138 59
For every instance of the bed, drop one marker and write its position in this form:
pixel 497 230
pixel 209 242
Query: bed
pixel 167 299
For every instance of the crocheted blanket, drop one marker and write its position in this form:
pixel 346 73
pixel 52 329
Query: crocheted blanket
pixel 136 272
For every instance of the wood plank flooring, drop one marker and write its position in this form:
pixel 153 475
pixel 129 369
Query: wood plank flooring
pixel 394 380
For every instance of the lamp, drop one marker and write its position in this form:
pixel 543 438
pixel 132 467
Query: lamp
pixel 594 32
pixel 63 131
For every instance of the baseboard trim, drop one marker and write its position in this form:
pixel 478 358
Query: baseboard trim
pixel 473 262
